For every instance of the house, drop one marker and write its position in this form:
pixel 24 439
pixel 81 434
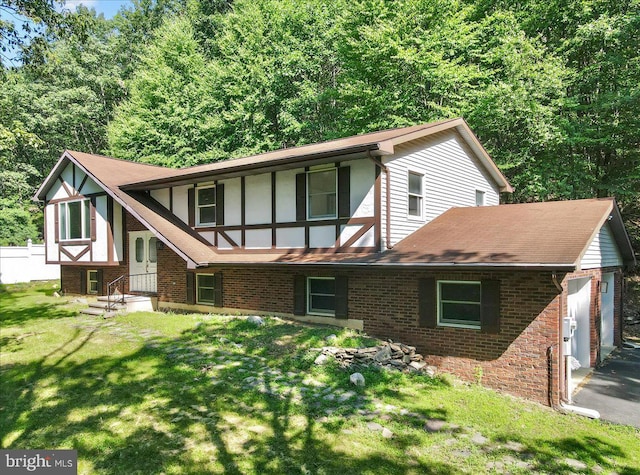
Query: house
pixel 399 233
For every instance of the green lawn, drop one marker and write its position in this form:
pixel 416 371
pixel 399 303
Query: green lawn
pixel 164 393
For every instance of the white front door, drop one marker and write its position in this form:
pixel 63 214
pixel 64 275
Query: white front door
pixel 578 305
pixel 143 262
pixel 606 295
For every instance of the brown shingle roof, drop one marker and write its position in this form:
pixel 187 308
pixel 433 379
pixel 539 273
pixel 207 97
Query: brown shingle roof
pixel 547 234
pixel 378 143
pixel 110 173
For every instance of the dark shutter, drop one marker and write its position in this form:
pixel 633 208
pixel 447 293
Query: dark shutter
pixel 342 296
pixel 56 218
pixel 301 196
pixel 92 212
pixel 83 281
pixel 191 294
pixel 427 303
pixel 191 204
pixel 344 192
pixel 299 295
pixel 99 277
pixel 219 204
pixel 490 313
pixel 217 289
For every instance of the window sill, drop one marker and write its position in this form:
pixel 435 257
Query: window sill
pixel 75 241
pixel 459 325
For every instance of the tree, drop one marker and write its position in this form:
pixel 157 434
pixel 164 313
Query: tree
pixel 169 116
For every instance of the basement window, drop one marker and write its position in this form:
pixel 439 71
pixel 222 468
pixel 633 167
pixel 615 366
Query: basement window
pixel 321 296
pixel 92 281
pixel 459 304
pixel 205 285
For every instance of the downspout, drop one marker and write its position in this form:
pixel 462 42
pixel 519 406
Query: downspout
pixel 566 403
pixel 387 198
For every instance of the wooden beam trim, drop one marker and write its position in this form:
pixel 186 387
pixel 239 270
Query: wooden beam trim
pixel 361 232
pixel 78 256
pixel 228 239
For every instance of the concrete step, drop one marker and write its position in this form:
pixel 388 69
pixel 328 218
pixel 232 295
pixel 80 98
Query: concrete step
pixel 93 311
pixel 105 305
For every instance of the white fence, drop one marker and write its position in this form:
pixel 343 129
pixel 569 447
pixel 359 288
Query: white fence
pixel 24 264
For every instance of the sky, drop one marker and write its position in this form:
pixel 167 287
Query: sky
pixel 107 7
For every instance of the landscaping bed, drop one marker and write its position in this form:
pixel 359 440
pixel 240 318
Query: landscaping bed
pixel 165 393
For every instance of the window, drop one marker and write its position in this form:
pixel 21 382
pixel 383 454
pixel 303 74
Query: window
pixel 479 198
pixel 321 296
pixel 415 194
pixel 75 220
pixel 205 284
pixel 92 282
pixel 206 205
pixel 322 194
pixel 459 304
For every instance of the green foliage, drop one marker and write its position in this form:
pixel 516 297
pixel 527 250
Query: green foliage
pixel 16 226
pixel 169 115
pixel 551 88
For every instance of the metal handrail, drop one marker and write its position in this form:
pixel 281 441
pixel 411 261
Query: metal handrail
pixel 120 284
pixel 116 282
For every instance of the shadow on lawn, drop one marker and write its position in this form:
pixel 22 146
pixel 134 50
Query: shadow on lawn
pixel 151 412
pixel 157 410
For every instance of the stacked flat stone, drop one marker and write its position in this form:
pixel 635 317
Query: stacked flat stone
pixel 392 355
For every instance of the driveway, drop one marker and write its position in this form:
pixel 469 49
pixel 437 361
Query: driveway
pixel 614 388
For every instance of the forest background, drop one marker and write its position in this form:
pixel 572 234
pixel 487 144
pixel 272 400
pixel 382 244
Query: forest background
pixel 551 87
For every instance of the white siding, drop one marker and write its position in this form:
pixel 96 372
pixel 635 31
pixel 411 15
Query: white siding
pixel 100 245
pixel 286 196
pixel 290 238
pixel 181 202
pixel 257 239
pixel 322 236
pixel 162 196
pixel 258 200
pixel 452 175
pixel 232 202
pixel 89 186
pixel 56 192
pixel 602 251
pixel 236 236
pixel 361 183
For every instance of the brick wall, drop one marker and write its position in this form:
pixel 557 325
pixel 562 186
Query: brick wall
pixel 515 360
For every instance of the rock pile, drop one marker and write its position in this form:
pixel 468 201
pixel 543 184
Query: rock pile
pixel 390 355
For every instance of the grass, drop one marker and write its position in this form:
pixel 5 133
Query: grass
pixel 153 393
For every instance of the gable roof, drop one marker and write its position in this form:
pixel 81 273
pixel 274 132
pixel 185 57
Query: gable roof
pixel 374 144
pixel 110 174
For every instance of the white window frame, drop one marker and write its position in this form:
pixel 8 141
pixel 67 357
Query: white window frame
pixel 198 206
pixel 481 198
pixel 65 224
pixel 325 216
pixel 419 197
pixel 205 302
pixel 453 323
pixel 90 281
pixel 320 312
